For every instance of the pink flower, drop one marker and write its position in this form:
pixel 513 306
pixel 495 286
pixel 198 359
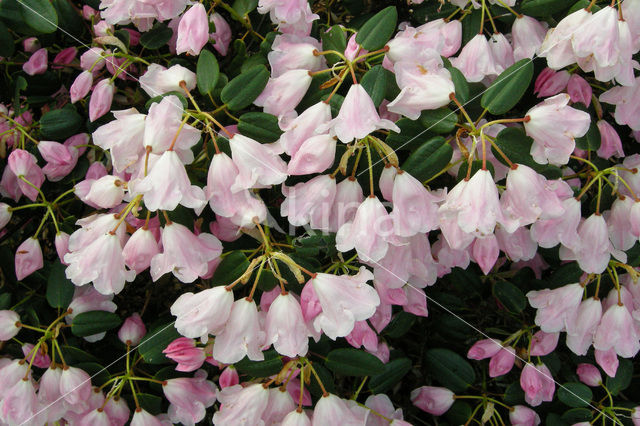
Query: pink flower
pixel 527 35
pixel 357 117
pixel 303 127
pixel 550 232
pixel 385 183
pixel 579 90
pixel 106 192
pixel 485 348
pixel 501 51
pixel 125 146
pixel 518 245
pixel 594 250
pixel 346 202
pixel 610 144
pixel 537 384
pixel 485 252
pixel 298 418
pixel 81 86
pixel 185 255
pixel 502 362
pixel 101 99
pixel 476 60
pixel 617 330
pixel 75 385
pixel 315 155
pixel 310 202
pixel 290 52
pixel 555 306
pixel 608 361
pixel 581 327
pixel 221 37
pixel 280 404
pixel 282 94
pixel 164 123
pixel 20 404
pixel 433 400
pixel 344 300
pixel 189 397
pixel 23 164
pixel 331 410
pixel 92 59
pixel 623 98
pixel 240 405
pixel 5 215
pixel 40 358
pixel 28 258
pixel 363 335
pixel 140 249
pixel 556 46
pixel 142 417
pixel 159 80
pixel 193 31
pixel 100 262
pixel 242 335
pixel 185 352
pixel 229 377
pixel 543 343
pixel 30 44
pixel 37 63
pixel 589 374
pixel 259 165
pixel 8 324
pixel 414 208
pixel 285 327
pixel 61 159
pixel 523 416
pixel 550 82
pixel 132 330
pixel 202 313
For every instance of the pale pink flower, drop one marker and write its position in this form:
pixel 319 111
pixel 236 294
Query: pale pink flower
pixel 476 60
pixel 75 385
pixel 297 418
pixel 581 327
pixel 608 361
pixel 142 417
pixel 315 155
pixel 610 143
pixel 527 35
pixel 344 300
pixel 125 146
pixel 132 330
pixel 202 313
pixel 37 63
pixel 485 252
pixel 106 192
pixel 579 90
pixel 348 198
pixel 543 343
pixel 282 94
pixel 185 254
pixel 259 165
pixel 433 400
pixel 159 80
pixel 20 404
pixel 589 374
pixel 564 229
pixel 303 127
pixel 242 335
pixel 594 250
pixel 485 348
pixel 61 159
pixel 189 397
pixel 101 99
pixel 523 416
pixel 221 37
pixel 387 178
pixel 92 59
pixel 285 327
pixel 8 324
pixel 357 117
pixel 164 124
pixel 555 307
pixel 537 384
pixel 331 409
pixel 310 202
pixel 24 164
pixel 363 335
pixel 140 249
pixel 556 47
pixel 623 97
pixel 28 258
pixel 550 82
pixel 290 52
pixel 193 31
pixel 517 245
pixel 241 405
pixel 618 331
pixel 502 362
pixel 501 51
pixel 280 404
pixel 5 215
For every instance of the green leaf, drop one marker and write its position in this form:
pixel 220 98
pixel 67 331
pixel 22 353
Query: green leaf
pixel 5 300
pixel 334 39
pixel 510 296
pixel 441 120
pixel 260 126
pixel 59 124
pixel 505 92
pixel 73 355
pixel 471 26
pixel 516 145
pixel 576 415
pixel 327 381
pixel 393 372
pixel 156 340
pixel 622 379
pixel 459 413
pixel 476 165
pixel 591 140
pixel 240 92
pixel 207 72
pixel 156 37
pixel 399 325
pixel 463 91
pixel 353 362
pixel 7 47
pixel 271 365
pixel 375 83
pixel 375 33
pixel 412 135
pixel 230 268
pixel 244 7
pixel 68 18
pixel 94 322
pixel 40 15
pixel 514 394
pixel 575 394
pixel 59 288
pixel 450 369
pixel 429 159
pixel 538 8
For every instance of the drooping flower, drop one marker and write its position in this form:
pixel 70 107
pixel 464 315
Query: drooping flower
pixel 433 400
pixel 242 335
pixel 202 313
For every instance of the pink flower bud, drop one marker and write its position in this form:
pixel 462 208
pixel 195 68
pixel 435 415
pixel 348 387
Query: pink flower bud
pixel 117 410
pixel 589 374
pixel 353 49
pixel 610 144
pixel 5 215
pixel 550 82
pixel 433 400
pixel 102 29
pixel 502 362
pixel 28 258
pixel 133 330
pixel 8 327
pixel 134 36
pixel 30 44
pixel 543 343
pixel 579 90
pixel 485 348
pixel 92 59
pixel 193 31
pixel 221 37
pixel 101 99
pixel 65 57
pixel 523 416
pixel 185 352
pixel 81 86
pixel 140 249
pixel 40 358
pixel 88 12
pixel 228 377
pixel 37 63
pixel 61 242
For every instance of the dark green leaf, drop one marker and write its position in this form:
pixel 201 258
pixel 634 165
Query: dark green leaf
pixel 393 372
pixel 622 379
pixel 73 355
pixel 441 120
pixel 429 159
pixel 260 126
pixel 40 15
pixel 230 269
pixel 59 124
pixel 412 135
pixel 450 369
pixel 240 92
pixel 7 46
pixel 399 325
pixel 576 415
pixel 476 165
pixel 459 413
pixel 5 300
pixel 375 83
pixel 378 29
pixel 207 72
pixel 271 365
pixel 514 394
pixel 327 381
pixel 244 7
pixel 510 296
pixel 353 362
pixel 68 18
pixel 463 92
pixel 539 8
pixel 505 92
pixel 591 141
pixel 575 394
pixel 471 26
pixel 334 39
pixel 156 340
pixel 94 322
pixel 156 37
pixel 59 288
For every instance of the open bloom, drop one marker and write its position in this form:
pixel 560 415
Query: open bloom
pixel 282 94
pixel 242 335
pixel 617 330
pixel 193 30
pixel 28 258
pixel 537 384
pixel 285 326
pixel 310 202
pixel 189 397
pixel 555 306
pixel 202 313
pixel 259 165
pixel 414 208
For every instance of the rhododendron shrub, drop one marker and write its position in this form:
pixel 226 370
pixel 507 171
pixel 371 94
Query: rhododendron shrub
pixel 296 212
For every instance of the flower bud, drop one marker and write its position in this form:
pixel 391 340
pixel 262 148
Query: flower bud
pixel 433 400
pixel 132 331
pixel 589 374
pixel 81 86
pixel 228 377
pixel 185 352
pixel 40 357
pixel 101 99
pixel 30 44
pixel 523 416
pixel 579 90
pixel 37 63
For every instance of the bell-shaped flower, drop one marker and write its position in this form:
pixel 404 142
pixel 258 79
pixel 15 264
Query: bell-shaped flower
pixel 123 137
pixel 242 405
pixel 81 86
pixel 310 202
pixel 610 143
pixel 168 185
pixel 189 397
pixel 101 99
pixel 8 324
pixel 303 127
pixel 589 374
pixel 564 229
pixel 102 263
pixel 485 348
pixel 202 313
pixel 501 51
pixel 37 63
pixel 594 250
pixel 607 360
pixel 28 258
pixel 75 385
pixel 193 31
pixel 554 126
pixel 24 164
pixel 285 327
pixel 623 97
pixel 259 165
pixel 348 198
pixel 283 94
pixel 132 330
pixel 502 362
pixel 537 384
pixel 5 215
pixel 385 183
pixel 369 231
pixel 20 404
pixel 518 245
pixel 523 416
pixel 579 90
pixel 106 192
pixel 331 410
pixel 543 343
pixel 344 300
pixel 159 80
pixel 221 37
pixel 485 252
pixel 599 37
pixel 433 400
pixel 242 335
pixel 617 330
pixel 581 327
pixel 61 159
pixel 556 47
pixel 142 417
pixel 527 35
pixel 357 117
pixel 280 404
pixel 290 52
pixel 185 254
pixel 555 307
pixel 140 249
pixel 475 60
pixel 315 155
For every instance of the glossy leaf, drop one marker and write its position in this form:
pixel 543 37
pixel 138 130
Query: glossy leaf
pixel 207 72
pixel 507 90
pixel 240 92
pixel 450 369
pixel 39 15
pixel 575 394
pixel 429 159
pixel 353 362
pixel 393 372
pixel 94 322
pixel 260 126
pixel 378 29
pixel 59 288
pixel 510 296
